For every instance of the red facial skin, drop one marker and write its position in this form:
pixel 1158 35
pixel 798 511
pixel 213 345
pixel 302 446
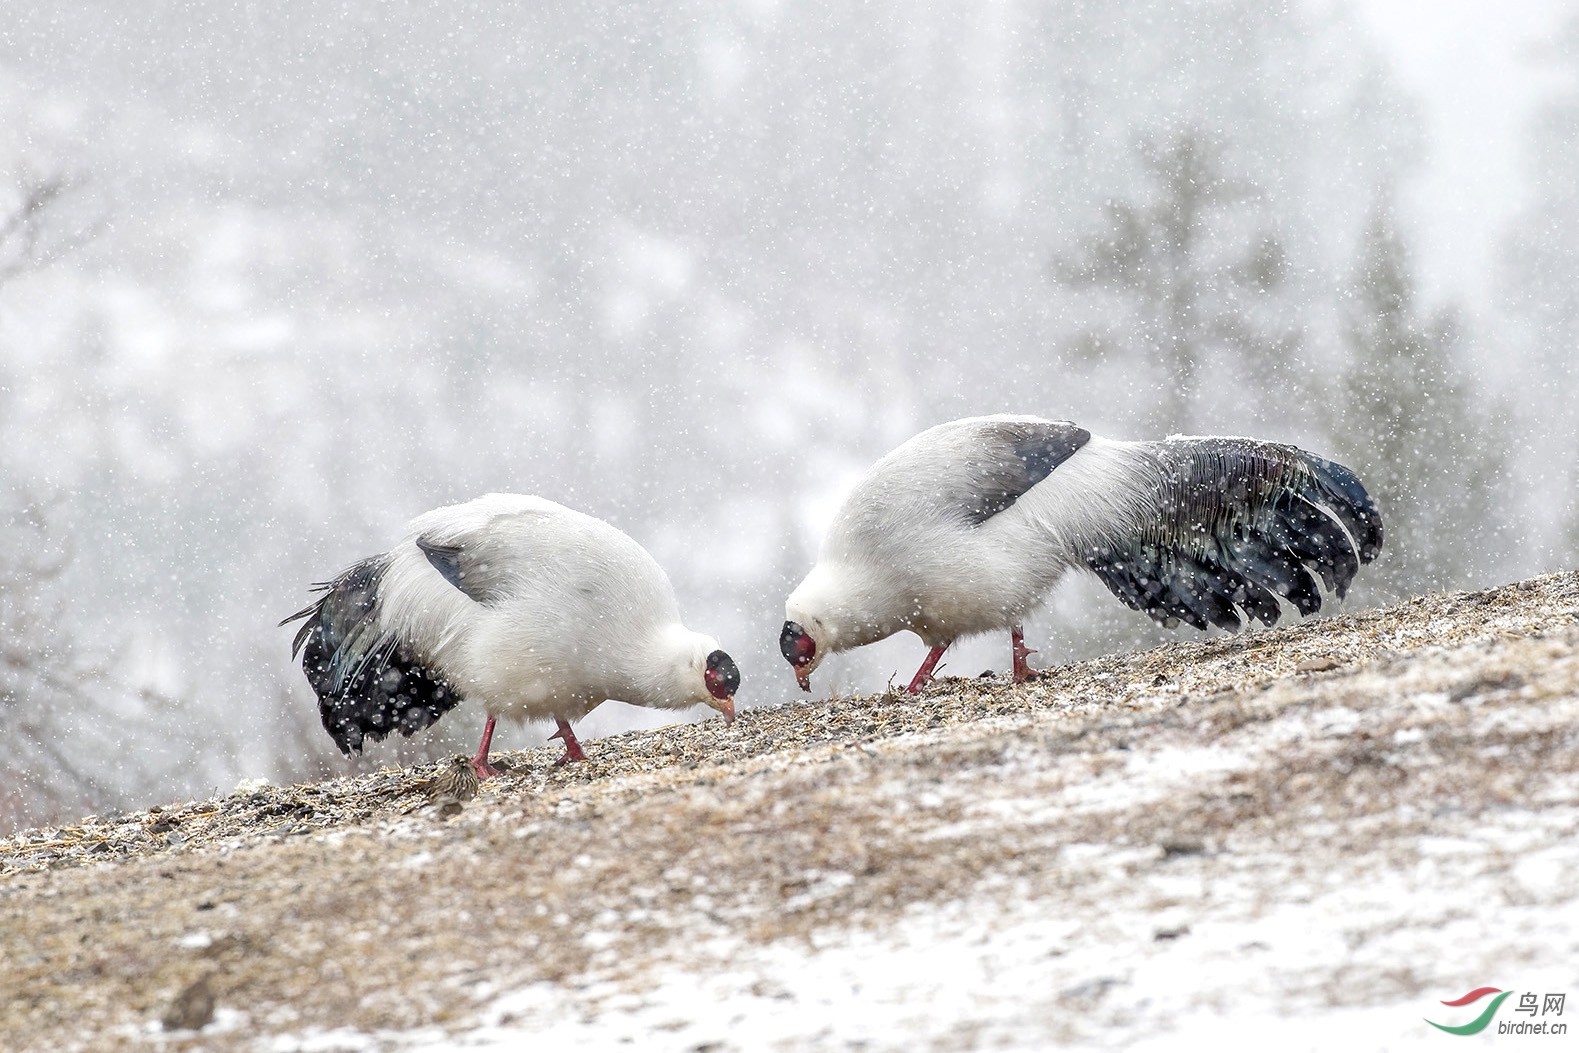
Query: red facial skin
pixel 805 651
pixel 716 687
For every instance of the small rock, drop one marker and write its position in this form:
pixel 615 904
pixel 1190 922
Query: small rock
pixel 769 989
pixel 1317 665
pixel 445 806
pixel 1091 990
pixel 192 1009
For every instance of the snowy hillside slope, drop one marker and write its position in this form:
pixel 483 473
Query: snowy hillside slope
pixel 1309 835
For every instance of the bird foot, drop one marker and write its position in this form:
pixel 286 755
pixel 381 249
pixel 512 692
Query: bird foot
pixel 573 751
pixel 1022 668
pixel 924 675
pixel 480 763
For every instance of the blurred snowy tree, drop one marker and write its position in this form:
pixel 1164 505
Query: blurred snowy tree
pixel 1430 452
pixel 32 232
pixel 1542 281
pixel 1186 261
pixel 61 712
pixel 64 715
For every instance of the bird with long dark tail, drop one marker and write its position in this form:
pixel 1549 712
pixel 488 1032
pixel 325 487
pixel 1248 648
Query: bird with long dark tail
pixel 967 527
pixel 528 608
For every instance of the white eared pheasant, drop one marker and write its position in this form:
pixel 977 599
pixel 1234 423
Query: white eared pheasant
pixel 524 606
pixel 968 526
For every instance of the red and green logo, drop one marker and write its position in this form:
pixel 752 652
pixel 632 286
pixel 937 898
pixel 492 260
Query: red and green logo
pixel 1477 1025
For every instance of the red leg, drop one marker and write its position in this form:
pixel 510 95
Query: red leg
pixel 1022 669
pixel 923 675
pixel 480 763
pixel 572 747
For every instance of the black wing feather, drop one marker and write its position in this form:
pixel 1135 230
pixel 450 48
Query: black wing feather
pixel 368 682
pixel 1239 523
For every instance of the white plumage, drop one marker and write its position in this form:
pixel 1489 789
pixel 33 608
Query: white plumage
pixel 522 605
pixel 967 527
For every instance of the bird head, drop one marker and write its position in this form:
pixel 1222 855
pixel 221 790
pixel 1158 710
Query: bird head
pixel 690 670
pixel 815 621
pixel 721 677
pixel 799 644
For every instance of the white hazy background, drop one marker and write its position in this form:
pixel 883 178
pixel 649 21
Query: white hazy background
pixel 275 278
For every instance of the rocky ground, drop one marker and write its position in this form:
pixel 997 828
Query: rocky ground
pixel 1302 836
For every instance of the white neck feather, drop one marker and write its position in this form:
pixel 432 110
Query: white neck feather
pixel 668 665
pixel 845 606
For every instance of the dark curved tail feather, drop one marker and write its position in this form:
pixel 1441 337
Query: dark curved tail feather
pixel 1239 523
pixel 1352 504
pixel 367 682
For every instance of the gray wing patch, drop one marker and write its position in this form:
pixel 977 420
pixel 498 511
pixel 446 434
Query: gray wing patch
pixel 1016 455
pixel 468 568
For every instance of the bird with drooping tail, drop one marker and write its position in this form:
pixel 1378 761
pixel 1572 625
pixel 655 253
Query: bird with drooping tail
pixel 967 527
pixel 526 607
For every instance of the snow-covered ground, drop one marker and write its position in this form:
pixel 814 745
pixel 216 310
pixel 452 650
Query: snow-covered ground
pixel 1306 838
pixel 1317 930
pixel 1237 973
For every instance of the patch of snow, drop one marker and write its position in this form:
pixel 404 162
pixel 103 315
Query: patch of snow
pixel 1245 951
pixel 416 861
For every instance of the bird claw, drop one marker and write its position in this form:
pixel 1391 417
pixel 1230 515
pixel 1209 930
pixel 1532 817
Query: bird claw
pixel 572 747
pixel 1022 669
pixel 924 675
